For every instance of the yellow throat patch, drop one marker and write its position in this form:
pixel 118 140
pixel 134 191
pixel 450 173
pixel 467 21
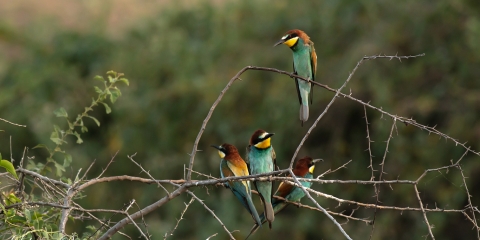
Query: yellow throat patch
pixel 290 42
pixel 221 154
pixel 263 144
pixel 311 169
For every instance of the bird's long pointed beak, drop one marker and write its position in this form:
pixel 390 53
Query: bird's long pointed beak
pixel 217 147
pixel 279 42
pixel 317 160
pixel 269 135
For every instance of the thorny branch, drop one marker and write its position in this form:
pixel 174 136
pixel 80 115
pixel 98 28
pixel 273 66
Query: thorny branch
pixel 66 192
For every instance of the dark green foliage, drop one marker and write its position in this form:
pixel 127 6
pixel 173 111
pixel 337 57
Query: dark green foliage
pixel 180 59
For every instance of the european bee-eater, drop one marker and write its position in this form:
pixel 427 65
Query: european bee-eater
pixel 304 65
pixel 303 169
pixel 231 165
pixel 261 159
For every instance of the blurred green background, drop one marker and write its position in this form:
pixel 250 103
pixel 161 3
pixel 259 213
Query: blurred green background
pixel 179 55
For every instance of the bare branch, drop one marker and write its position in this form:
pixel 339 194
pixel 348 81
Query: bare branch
pixel 211 212
pixel 15 124
pixel 318 205
pixel 470 206
pixel 180 219
pixel 109 233
pixel 423 211
pixel 146 172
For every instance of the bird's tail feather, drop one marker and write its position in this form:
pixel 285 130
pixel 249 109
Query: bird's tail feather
pixel 303 112
pixel 254 229
pixel 269 214
pixel 254 213
pixel 268 209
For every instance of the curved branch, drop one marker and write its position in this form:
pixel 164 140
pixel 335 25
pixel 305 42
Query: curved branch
pixel 109 233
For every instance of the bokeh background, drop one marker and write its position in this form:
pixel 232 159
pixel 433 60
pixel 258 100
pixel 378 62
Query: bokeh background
pixel 178 56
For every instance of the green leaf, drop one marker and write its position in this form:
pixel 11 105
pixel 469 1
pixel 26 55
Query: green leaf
pixel 94 102
pixel 70 125
pixel 94 119
pixel 79 139
pixel 107 108
pixel 37 216
pixel 12 199
pixel 28 215
pixel 17 219
pixel 115 93
pixel 125 81
pixel 59 169
pixel 9 167
pixel 103 96
pixel 42 146
pixel 58 129
pixel 60 112
pixel 84 129
pixel 31 165
pixel 111 79
pixel 99 78
pixel 111 72
pixel 67 160
pixel 98 90
pixel 54 137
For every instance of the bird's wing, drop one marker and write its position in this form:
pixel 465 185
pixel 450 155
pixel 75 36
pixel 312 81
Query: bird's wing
pixel 313 64
pixel 283 190
pixel 274 160
pixel 225 171
pixel 313 60
pixel 239 188
pixel 239 171
pixel 296 84
pixel 247 160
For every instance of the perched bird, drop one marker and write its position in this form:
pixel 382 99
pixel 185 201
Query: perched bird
pixel 304 65
pixel 303 169
pixel 261 159
pixel 232 165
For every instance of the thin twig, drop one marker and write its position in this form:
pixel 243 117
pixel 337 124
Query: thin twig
pixel 15 124
pixel 325 110
pixel 423 212
pixel 122 223
pixel 377 189
pixel 213 214
pixel 180 219
pixel 318 205
pixel 146 172
pixel 132 221
pixel 470 206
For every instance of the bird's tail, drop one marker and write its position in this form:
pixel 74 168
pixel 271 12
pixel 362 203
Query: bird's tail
pixel 303 112
pixel 254 229
pixel 269 214
pixel 253 211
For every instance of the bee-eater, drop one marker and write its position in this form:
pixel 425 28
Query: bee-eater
pixel 304 65
pixel 303 169
pixel 232 165
pixel 261 159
